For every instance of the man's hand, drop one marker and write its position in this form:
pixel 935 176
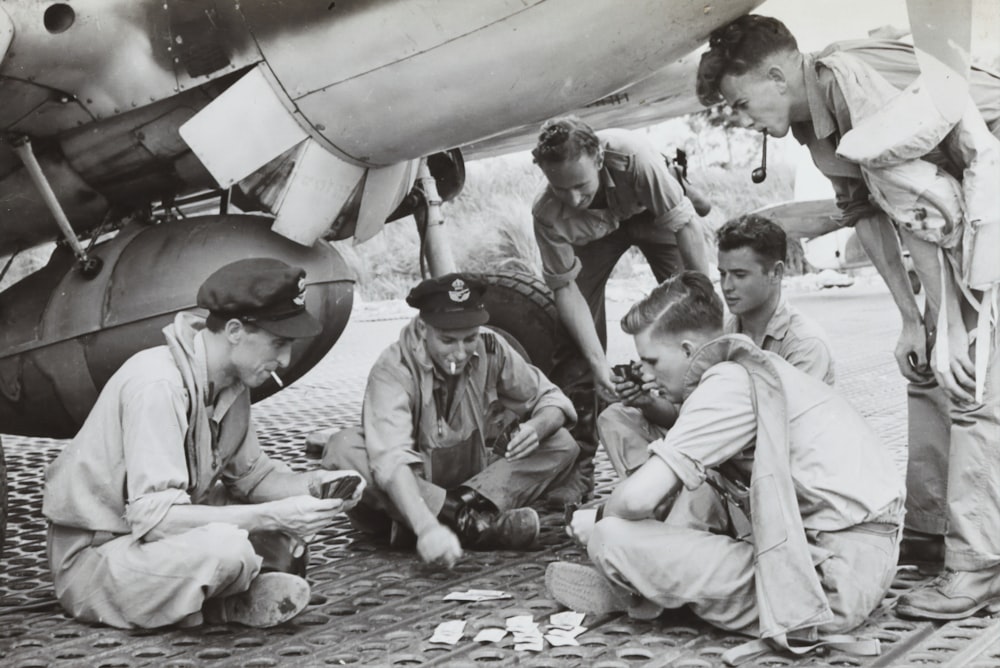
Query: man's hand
pixel 602 382
pixel 439 546
pixel 582 525
pixel 958 380
pixel 321 477
pixel 524 441
pixel 634 394
pixel 302 515
pixel 911 353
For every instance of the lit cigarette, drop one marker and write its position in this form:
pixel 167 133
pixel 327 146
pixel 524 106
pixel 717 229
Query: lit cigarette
pixel 453 367
pixel 277 379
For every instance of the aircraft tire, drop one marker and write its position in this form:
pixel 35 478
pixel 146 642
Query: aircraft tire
pixel 3 500
pixel 523 311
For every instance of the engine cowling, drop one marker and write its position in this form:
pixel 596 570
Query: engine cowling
pixel 62 335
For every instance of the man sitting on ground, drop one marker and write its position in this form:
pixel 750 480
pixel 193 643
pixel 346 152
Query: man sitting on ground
pixel 429 411
pixel 752 252
pixel 163 505
pixel 810 542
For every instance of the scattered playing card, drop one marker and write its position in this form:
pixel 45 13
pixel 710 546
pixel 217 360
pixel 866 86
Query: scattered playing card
pixel 477 595
pixel 567 619
pixel 560 641
pixel 490 635
pixel 449 632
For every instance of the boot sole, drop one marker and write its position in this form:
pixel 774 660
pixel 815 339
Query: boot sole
pixel 992 606
pixel 272 599
pixel 582 589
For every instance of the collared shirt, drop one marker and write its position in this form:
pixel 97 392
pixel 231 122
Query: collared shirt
pixel 127 464
pixel 831 118
pixel 842 473
pixel 402 421
pixel 634 178
pixel 796 338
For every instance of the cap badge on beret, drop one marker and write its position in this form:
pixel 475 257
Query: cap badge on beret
pixel 459 291
pixel 300 300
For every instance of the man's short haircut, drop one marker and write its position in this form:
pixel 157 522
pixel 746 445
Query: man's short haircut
pixel 761 234
pixel 736 49
pixel 565 139
pixel 683 303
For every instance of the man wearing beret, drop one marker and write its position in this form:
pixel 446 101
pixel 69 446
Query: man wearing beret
pixel 432 400
pixel 164 503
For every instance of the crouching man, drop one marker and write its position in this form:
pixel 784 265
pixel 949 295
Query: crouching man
pixel 806 544
pixel 163 505
pixel 432 402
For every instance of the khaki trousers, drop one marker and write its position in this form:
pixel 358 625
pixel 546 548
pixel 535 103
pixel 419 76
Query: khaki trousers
pixel 126 583
pixel 506 484
pixel 713 573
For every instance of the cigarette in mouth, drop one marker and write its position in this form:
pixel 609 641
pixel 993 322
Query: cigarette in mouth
pixel 453 367
pixel 277 379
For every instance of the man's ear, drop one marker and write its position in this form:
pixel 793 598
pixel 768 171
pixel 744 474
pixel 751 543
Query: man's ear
pixel 688 347
pixel 777 75
pixel 778 271
pixel 421 326
pixel 234 330
pixel 599 159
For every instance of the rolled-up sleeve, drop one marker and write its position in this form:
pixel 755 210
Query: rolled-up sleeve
pixel 560 265
pixel 154 422
pixel 525 390
pixel 716 423
pixel 389 420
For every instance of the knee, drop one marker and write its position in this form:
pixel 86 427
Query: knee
pixel 608 536
pixel 225 545
pixel 345 449
pixel 563 445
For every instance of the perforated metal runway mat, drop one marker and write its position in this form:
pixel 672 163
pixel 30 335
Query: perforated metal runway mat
pixel 373 606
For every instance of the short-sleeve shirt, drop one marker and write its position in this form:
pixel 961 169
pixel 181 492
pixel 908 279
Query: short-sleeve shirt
pixel 796 338
pixel 635 178
pixel 843 474
pixel 831 119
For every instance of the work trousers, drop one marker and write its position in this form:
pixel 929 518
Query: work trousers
pixel 599 257
pixel 626 434
pixel 929 438
pixel 712 572
pixel 129 583
pixel 973 488
pixel 506 484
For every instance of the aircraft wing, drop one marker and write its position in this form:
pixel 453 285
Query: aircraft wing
pixel 668 93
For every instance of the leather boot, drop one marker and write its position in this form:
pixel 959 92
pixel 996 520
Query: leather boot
pixel 953 595
pixel 272 599
pixel 479 525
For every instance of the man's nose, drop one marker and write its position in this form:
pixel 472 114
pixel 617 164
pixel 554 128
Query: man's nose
pixel 744 119
pixel 285 356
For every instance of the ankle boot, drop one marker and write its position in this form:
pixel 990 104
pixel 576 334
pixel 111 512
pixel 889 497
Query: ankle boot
pixel 479 525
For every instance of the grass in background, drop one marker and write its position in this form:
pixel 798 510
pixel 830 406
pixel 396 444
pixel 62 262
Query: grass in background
pixel 489 223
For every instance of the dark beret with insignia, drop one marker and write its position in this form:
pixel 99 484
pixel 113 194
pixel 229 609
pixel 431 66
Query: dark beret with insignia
pixel 266 292
pixel 453 301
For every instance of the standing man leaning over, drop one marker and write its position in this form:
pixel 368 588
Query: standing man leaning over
pixel 752 252
pixel 158 504
pixel 606 192
pixel 754 64
pixel 810 544
pixel 429 408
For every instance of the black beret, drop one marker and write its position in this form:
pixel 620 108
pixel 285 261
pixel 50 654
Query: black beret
pixel 452 301
pixel 264 291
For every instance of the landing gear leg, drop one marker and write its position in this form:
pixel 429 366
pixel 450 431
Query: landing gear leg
pixel 434 246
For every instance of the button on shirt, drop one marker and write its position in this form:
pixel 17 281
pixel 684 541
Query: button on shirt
pixel 843 474
pixel 831 119
pixel 795 338
pixel 634 179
